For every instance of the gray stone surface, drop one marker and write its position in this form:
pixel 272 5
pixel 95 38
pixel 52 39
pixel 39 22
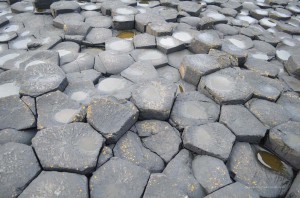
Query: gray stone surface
pixel 248 170
pixel 154 99
pixel 64 7
pixel 72 147
pixel 293 66
pixel 291 102
pixel 169 44
pixel 210 172
pixel 160 137
pixel 193 67
pixel 144 41
pixel 118 178
pixel 105 154
pixel 14 113
pixel 204 138
pixel 245 126
pixel 119 116
pixel 56 109
pixel 193 109
pixel 130 148
pixel 19 167
pixel 12 135
pixel 60 184
pixel 283 140
pixel 204 41
pixel 156 57
pixel 295 187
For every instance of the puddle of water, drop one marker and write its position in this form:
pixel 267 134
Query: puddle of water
pixel 9 89
pixel 183 36
pixel 238 43
pixel 144 2
pixel 270 161
pixel 79 96
pixel 111 85
pixel 220 83
pixel 66 115
pixel 126 35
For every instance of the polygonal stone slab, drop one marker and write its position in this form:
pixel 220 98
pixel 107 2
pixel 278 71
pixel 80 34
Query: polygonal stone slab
pixel 160 186
pixel 12 135
pixel 90 75
pixel 169 44
pixel 62 7
pixel 130 148
pixel 68 51
pixel 105 154
pixel 118 178
pixel 73 147
pixel 211 139
pixel 179 171
pixel 62 184
pixel 144 41
pixel 193 67
pixel 119 116
pixel 119 45
pixel 98 36
pixel 226 86
pixel 291 102
pixel 235 190
pixel 262 67
pixel 99 21
pixel 192 109
pixel 154 99
pixel 19 167
pixel 192 8
pixel 293 66
pixel 210 172
pixel 169 73
pixel 14 113
pixel 160 137
pixel 284 140
pixel 269 113
pixel 156 57
pixel 83 62
pixel 259 170
pixel 42 78
pixel 245 126
pixel 175 59
pixel 56 109
pixel 294 189
pixel 204 41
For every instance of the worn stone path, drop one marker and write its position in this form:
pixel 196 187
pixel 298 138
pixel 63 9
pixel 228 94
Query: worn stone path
pixel 152 99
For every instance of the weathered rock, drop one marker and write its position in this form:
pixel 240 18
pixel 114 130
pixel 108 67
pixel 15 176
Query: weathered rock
pixel 175 59
pixel 156 57
pixel 193 67
pixel 291 102
pixel 15 114
pixel 154 99
pixel 169 44
pixel 269 113
pixel 99 21
pixel 294 189
pixel 119 116
pixel 105 154
pixel 293 66
pixel 261 67
pixel 90 75
pixel 123 22
pixel 98 36
pixel 130 148
pixel 144 41
pixel 259 170
pixel 56 109
pixel 245 126
pixel 72 147
pixel 193 109
pixel 81 91
pixel 205 41
pixel 204 138
pixel 126 179
pixel 160 137
pixel 210 172
pixel 19 167
pixel 12 135
pixel 169 73
pixel 62 184
pixel 62 7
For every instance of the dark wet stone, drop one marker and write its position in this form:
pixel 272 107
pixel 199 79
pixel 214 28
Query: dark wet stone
pixel 99 21
pixel 19 167
pixel 291 102
pixel 193 67
pixel 82 62
pixel 118 178
pixel 160 137
pixel 56 109
pixel 235 190
pixel 123 22
pixel 72 147
pixel 293 66
pixel 140 71
pixel 62 184
pixel 283 140
pixel 261 67
pixel 15 114
pixel 210 172
pixel 269 113
pixel 42 78
pixel 245 126
pixel 144 41
pixel 160 186
pixel 179 171
pixel 169 44
pixel 97 36
pixel 294 189
pixel 202 140
pixel 115 86
pixel 12 135
pixel 226 86
pixel 114 63
pixel 251 169
pixel 205 41
pixel 122 113
pixel 62 7
pixel 156 57
pixel 85 75
pixel 105 154
pixel 154 99
pixel 193 109
pixel 131 148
